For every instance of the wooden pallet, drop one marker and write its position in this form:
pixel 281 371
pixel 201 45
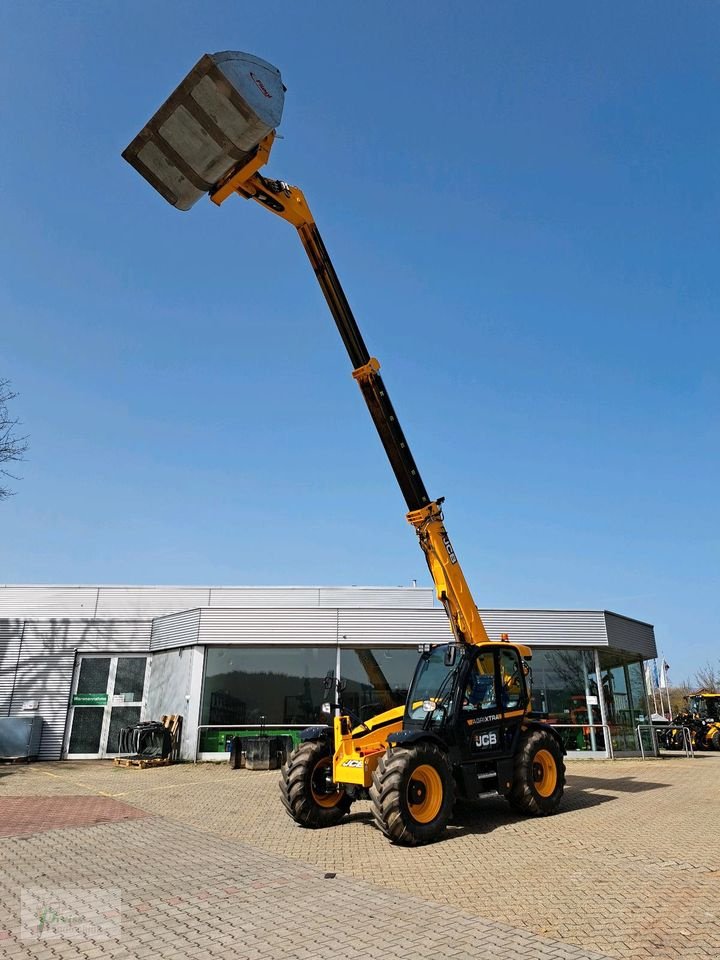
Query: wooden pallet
pixel 140 763
pixel 173 722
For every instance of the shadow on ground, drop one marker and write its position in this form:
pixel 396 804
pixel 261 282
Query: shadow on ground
pixel 616 784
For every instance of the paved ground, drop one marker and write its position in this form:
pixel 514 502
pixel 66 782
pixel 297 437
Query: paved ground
pixel 207 864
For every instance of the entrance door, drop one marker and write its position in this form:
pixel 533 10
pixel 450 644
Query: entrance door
pixel 107 695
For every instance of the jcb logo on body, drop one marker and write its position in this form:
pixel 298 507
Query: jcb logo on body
pixel 484 740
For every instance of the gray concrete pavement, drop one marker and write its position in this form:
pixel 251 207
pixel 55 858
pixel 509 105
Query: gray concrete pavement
pixel 208 864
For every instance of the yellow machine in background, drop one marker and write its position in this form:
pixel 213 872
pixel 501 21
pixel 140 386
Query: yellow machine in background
pixel 466 729
pixel 701 717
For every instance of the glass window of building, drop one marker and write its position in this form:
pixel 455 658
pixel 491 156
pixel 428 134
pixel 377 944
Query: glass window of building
pixel 565 687
pixel 376 679
pixel 272 685
pixel 625 698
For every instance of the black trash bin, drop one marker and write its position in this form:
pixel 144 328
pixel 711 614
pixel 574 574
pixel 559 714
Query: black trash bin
pixel 236 759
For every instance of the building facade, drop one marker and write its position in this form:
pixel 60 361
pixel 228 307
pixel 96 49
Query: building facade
pixel 235 660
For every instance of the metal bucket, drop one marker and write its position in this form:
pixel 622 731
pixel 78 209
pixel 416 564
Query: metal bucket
pixel 209 125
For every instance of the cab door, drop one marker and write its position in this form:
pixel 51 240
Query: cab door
pixel 480 713
pixel 494 702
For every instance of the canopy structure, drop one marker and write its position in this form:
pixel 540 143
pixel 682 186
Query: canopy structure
pixel 210 125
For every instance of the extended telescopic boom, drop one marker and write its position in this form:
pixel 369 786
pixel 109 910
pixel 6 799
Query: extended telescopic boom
pixel 157 153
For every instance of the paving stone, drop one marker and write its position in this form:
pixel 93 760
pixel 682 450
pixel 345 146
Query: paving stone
pixel 212 866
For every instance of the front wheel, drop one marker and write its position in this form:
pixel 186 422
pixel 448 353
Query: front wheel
pixel 539 779
pixel 412 794
pixel 307 789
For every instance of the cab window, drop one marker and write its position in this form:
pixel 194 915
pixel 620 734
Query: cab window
pixel 512 694
pixel 480 693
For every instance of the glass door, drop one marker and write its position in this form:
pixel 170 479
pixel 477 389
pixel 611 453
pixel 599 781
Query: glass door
pixel 107 695
pixel 128 688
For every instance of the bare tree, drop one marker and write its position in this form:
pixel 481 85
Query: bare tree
pixel 12 446
pixel 677 696
pixel 708 676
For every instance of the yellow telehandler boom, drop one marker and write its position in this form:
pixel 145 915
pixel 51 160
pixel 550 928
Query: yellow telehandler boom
pixel 466 727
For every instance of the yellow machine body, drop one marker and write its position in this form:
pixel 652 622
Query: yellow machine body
pixel 358 749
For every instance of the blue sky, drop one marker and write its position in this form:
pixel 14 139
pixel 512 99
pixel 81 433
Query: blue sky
pixel 521 200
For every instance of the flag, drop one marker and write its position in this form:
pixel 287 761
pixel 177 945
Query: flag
pixel 648 678
pixel 663 674
pixel 655 673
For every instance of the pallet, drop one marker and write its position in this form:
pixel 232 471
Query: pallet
pixel 173 722
pixel 140 763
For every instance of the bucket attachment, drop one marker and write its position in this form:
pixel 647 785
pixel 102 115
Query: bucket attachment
pixel 210 125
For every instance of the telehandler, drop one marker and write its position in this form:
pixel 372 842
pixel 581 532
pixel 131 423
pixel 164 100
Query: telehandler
pixel 466 729
pixel 701 716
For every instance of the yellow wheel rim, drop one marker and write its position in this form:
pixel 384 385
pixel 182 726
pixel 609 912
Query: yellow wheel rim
pixel 544 773
pixel 424 793
pixel 318 785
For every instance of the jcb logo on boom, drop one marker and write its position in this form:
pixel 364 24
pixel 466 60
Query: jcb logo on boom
pixel 486 740
pixel 449 548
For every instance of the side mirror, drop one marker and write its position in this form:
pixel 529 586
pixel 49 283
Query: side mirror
pixel 450 655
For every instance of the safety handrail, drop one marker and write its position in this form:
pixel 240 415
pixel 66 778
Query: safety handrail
pixel 584 726
pixel 653 728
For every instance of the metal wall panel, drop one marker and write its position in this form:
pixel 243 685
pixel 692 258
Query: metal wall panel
pixel 175 630
pixel 323 625
pixel 169 687
pixel 581 628
pixel 26 602
pixel 413 597
pixel 147 602
pixel 265 597
pixel 533 627
pixel 46 661
pixel 392 627
pixel 405 597
pixel 301 625
pixel 138 602
pixel 10 634
pixel 632 636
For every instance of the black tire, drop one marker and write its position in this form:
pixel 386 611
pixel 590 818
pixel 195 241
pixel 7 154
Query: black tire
pixel 307 792
pixel 714 740
pixel 539 779
pixel 412 794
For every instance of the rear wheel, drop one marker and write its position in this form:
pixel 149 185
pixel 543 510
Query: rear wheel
pixel 714 740
pixel 307 789
pixel 539 779
pixel 412 794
